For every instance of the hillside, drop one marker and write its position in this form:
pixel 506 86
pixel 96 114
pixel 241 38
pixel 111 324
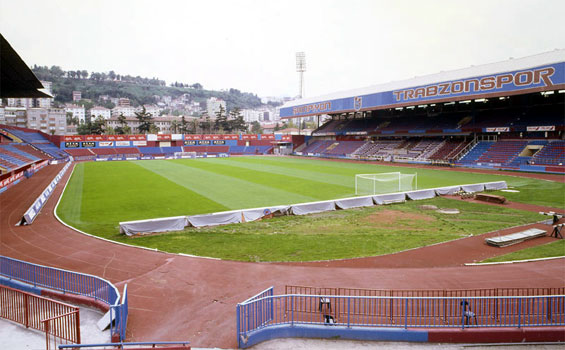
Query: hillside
pixel 139 90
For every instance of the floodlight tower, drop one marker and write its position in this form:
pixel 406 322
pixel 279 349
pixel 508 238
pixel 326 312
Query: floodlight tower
pixel 301 68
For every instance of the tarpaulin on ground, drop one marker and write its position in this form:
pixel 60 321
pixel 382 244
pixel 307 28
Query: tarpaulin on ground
pixel 442 191
pixel 498 185
pixel 132 228
pixel 258 213
pixel 347 203
pixel 473 188
pixel 311 208
pixel 389 198
pixel 230 217
pixel 421 194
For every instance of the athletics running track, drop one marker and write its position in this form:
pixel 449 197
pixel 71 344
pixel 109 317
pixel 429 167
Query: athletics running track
pixel 174 297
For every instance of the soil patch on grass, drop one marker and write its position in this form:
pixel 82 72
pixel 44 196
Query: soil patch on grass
pixel 394 217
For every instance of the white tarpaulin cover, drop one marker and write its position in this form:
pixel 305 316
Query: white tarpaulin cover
pixel 230 217
pixel 354 202
pixel 499 185
pixel 311 208
pixel 442 191
pixel 473 188
pixel 258 213
pixel 132 228
pixel 421 194
pixel 389 198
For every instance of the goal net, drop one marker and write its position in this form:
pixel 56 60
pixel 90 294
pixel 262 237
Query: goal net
pixel 368 184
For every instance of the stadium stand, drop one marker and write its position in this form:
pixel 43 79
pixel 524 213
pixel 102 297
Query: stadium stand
pixel 552 154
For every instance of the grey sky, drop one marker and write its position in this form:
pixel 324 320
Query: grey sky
pixel 251 45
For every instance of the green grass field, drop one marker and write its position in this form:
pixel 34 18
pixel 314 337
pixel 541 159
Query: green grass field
pixel 101 194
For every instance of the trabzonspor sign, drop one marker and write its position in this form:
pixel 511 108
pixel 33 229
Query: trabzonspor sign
pixel 548 77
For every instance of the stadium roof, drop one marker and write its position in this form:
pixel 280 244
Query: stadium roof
pixel 541 72
pixel 16 79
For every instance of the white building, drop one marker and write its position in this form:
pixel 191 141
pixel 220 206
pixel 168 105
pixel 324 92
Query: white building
pixel 213 106
pixel 259 115
pixel 154 110
pixel 77 112
pixel 20 102
pixel 50 121
pixel 45 102
pixel 99 111
pixel 15 116
pixel 127 111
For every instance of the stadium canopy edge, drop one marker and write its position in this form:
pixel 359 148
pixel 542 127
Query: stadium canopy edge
pixel 537 73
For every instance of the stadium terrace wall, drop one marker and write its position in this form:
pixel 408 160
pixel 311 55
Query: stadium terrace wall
pixel 10 179
pixel 541 78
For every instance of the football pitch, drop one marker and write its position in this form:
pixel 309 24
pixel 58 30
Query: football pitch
pixel 101 194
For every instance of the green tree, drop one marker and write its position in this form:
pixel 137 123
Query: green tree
pixel 183 125
pixel 71 120
pixel 145 121
pixel 221 122
pixel 124 127
pixel 98 126
pixel 175 126
pixel 256 128
pixel 84 128
pixel 237 123
pixel 56 71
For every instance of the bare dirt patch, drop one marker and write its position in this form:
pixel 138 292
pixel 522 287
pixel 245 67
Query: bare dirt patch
pixel 392 217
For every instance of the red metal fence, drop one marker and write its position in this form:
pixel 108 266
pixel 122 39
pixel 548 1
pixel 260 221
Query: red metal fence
pixel 59 321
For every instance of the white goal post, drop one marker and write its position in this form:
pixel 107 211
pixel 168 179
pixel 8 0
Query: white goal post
pixel 370 184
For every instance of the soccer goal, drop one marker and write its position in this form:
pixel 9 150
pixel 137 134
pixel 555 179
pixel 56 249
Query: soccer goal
pixel 368 184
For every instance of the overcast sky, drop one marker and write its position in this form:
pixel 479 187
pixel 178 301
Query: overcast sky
pixel 251 45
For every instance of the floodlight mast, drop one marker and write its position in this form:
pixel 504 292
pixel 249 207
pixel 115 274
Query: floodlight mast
pixel 301 68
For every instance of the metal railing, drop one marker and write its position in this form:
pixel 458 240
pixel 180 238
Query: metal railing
pixel 478 292
pixel 71 282
pixel 59 321
pixel 58 279
pixel 120 315
pixel 400 312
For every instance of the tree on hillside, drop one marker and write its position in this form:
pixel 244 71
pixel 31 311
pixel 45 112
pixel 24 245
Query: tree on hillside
pixel 124 127
pixel 145 121
pixel 175 125
pixel 205 123
pixel 71 120
pixel 183 125
pixel 57 71
pixel 84 73
pixel 237 123
pixel 256 128
pixel 196 86
pixel 111 75
pixel 221 122
pixel 98 126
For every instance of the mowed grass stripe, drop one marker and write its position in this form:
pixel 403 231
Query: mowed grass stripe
pixel 232 192
pixel 70 207
pixel 312 187
pixel 122 191
pixel 427 178
pixel 303 173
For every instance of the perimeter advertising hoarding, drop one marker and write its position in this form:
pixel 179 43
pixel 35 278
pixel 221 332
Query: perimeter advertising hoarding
pixel 542 78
